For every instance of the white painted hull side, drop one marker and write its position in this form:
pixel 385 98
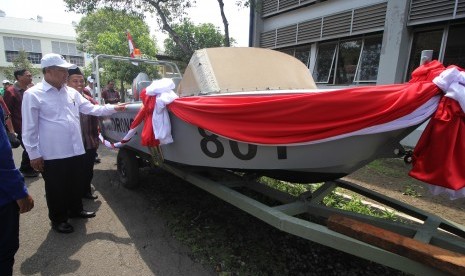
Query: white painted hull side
pixel 196 147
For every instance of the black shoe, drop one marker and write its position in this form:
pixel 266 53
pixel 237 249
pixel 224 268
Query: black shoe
pixel 62 227
pixel 90 196
pixel 97 160
pixel 30 173
pixel 83 214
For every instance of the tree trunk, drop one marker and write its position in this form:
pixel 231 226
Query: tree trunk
pixel 184 47
pixel 122 92
pixel 227 43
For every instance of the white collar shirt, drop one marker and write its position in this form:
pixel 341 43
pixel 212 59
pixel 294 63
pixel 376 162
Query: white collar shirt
pixel 51 127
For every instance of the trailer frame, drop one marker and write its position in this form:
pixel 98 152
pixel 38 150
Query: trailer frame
pixel 287 216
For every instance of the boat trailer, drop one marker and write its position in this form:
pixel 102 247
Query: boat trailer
pixel 420 243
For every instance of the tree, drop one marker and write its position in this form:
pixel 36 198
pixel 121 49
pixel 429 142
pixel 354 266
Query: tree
pixel 167 10
pixel 170 13
pixel 103 31
pixel 252 4
pixel 201 36
pixel 248 3
pixel 20 62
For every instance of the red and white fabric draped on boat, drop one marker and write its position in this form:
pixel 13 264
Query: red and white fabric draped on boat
pixel 303 117
pixel 439 155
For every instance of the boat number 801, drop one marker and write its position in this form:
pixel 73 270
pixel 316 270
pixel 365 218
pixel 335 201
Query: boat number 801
pixel 212 139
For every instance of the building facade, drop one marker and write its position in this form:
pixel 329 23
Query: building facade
pixel 360 42
pixel 356 42
pixel 36 38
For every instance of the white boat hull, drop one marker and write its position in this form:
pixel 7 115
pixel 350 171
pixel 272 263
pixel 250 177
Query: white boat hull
pixel 302 163
pixel 217 72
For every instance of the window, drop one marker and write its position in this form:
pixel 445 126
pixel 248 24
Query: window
pixel 348 61
pixel 424 40
pixel 78 60
pixel 301 53
pixel 65 48
pixel 11 55
pixel 455 53
pixel 34 58
pixel 13 45
pixel 447 44
pixel 367 70
pixel 287 51
pixel 69 51
pixel 22 44
pixel 324 63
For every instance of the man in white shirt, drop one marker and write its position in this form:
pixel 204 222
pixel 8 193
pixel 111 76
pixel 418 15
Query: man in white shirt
pixel 53 140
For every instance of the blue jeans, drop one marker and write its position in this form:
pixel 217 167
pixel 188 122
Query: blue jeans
pixel 9 237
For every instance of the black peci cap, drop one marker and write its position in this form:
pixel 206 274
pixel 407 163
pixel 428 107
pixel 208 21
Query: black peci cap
pixel 75 71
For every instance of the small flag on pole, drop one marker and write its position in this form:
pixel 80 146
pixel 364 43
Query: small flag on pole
pixel 131 44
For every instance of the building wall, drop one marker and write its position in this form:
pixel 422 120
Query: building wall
pixel 387 36
pixel 288 24
pixel 62 36
pixel 395 38
pixel 307 24
pixel 304 13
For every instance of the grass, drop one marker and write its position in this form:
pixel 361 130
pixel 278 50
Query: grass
pixel 391 167
pixel 337 199
pixel 294 189
pixel 411 190
pixel 356 205
pixel 395 170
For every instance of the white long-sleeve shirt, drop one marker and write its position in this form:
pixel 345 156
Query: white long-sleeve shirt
pixel 51 127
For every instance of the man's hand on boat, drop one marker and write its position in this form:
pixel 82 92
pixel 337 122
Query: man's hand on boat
pixel 120 106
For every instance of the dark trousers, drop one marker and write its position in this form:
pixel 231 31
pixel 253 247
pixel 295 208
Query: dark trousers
pixel 88 173
pixel 9 237
pixel 25 161
pixel 63 188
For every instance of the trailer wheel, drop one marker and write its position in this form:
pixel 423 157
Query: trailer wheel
pixel 128 168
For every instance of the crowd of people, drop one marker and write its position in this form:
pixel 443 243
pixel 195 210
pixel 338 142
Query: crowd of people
pixel 55 121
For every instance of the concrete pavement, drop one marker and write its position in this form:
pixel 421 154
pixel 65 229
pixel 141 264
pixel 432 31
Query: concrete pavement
pixel 127 237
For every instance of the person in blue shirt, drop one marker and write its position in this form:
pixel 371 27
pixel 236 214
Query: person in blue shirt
pixel 14 199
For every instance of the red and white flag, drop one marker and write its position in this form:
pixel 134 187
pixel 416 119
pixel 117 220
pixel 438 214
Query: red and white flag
pixel 131 44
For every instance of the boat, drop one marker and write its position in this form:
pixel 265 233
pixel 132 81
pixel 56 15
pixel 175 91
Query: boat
pixel 221 144
pixel 215 74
